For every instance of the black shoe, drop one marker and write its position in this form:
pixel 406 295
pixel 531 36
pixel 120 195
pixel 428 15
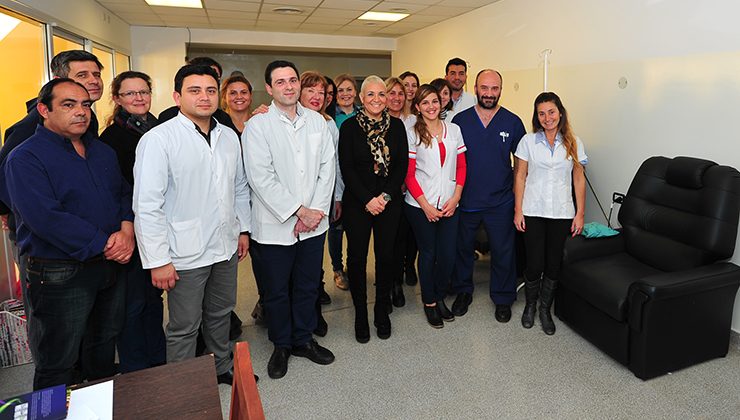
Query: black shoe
pixel 362 329
pixel 324 297
pixel 444 312
pixel 433 317
pixel 461 303
pixel 321 326
pixel 313 352
pixel 277 367
pixel 258 313
pixel 397 296
pixel 503 313
pixel 226 378
pixel 382 321
pixel 383 329
pixel 411 278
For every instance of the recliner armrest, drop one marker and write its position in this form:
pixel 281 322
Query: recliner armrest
pixel 678 283
pixel 580 248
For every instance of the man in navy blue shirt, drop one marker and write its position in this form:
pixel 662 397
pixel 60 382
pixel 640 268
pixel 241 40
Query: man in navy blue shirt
pixel 80 66
pixel 74 226
pixel 491 133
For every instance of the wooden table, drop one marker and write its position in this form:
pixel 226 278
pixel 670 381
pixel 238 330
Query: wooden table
pixel 181 390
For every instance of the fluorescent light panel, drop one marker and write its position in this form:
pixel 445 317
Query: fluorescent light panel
pixel 383 16
pixel 192 4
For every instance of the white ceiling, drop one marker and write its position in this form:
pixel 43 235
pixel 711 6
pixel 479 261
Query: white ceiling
pixel 336 17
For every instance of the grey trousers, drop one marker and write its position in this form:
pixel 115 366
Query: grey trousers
pixel 207 295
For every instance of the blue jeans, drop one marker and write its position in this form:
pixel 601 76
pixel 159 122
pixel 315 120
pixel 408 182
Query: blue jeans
pixel 141 343
pixel 290 287
pixel 76 315
pixel 437 245
pixel 499 225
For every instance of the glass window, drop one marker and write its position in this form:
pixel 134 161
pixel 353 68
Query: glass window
pixel 22 72
pixel 104 107
pixel 62 43
pixel 122 63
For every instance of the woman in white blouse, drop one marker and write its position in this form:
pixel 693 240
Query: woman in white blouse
pixel 548 171
pixel 435 181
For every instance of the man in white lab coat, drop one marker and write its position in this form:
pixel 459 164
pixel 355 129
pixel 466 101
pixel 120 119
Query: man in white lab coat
pixel 191 202
pixel 290 163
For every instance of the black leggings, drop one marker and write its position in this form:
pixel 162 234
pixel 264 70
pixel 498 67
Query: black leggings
pixel 544 240
pixel 358 224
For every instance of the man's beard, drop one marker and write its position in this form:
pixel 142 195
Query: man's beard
pixel 492 101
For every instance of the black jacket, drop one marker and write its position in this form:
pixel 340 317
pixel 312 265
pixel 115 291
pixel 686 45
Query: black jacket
pixel 360 182
pixel 124 142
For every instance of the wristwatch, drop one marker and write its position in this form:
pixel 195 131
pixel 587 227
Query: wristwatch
pixel 387 197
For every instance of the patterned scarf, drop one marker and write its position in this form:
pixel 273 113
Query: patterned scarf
pixel 136 124
pixel 375 130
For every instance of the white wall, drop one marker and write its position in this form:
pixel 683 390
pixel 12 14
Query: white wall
pixel 82 17
pixel 159 52
pixel 681 60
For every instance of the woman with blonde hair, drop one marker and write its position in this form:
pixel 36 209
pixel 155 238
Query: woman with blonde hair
pixel 236 100
pixel 548 162
pixel 345 97
pixel 373 156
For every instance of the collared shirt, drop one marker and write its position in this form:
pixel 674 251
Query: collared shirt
pixel 340 116
pixel 490 177
pixel 289 164
pixel 191 199
pixel 547 189
pixel 66 206
pixel 206 136
pixel 463 102
pixel 437 179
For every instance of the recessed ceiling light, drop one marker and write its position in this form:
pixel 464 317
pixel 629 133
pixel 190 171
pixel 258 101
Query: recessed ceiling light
pixel 193 4
pixel 399 10
pixel 383 16
pixel 287 10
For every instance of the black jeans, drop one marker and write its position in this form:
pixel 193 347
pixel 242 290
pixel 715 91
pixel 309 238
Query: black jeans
pixel 76 315
pixel 544 240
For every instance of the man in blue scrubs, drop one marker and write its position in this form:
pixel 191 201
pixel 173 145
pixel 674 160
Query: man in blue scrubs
pixel 491 133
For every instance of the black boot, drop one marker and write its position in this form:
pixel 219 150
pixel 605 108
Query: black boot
pixel 547 293
pixel 362 329
pixel 531 291
pixel 382 321
pixel 397 295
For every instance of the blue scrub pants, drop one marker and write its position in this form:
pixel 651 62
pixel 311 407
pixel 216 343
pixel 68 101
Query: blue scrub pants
pixel 499 225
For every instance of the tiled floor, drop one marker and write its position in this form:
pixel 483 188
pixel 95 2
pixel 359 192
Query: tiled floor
pixel 474 367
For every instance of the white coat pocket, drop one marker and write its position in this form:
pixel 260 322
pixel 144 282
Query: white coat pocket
pixel 185 238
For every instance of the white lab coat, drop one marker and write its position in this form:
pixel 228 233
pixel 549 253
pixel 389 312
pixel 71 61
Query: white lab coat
pixel 288 164
pixel 191 201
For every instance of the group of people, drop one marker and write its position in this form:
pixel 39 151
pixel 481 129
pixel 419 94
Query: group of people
pixel 104 224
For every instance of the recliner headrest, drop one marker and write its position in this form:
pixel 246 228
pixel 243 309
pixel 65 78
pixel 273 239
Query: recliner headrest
pixel 687 172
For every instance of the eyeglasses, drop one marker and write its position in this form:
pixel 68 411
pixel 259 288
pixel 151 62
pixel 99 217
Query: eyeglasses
pixel 132 93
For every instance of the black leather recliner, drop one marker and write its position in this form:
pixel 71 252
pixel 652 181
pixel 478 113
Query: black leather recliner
pixel 655 297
